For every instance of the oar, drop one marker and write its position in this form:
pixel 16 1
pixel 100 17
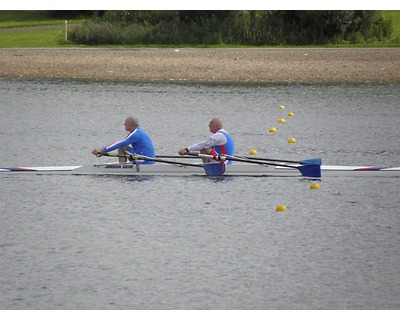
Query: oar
pixel 141 157
pixel 308 169
pixel 308 161
pixel 177 157
pixel 194 155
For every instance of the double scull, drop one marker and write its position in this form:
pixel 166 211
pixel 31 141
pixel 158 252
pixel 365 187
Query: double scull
pixel 240 169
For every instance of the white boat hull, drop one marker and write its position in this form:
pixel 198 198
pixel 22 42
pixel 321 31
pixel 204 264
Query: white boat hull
pixel 159 169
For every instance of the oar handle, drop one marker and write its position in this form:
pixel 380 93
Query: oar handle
pixel 203 155
pixel 105 154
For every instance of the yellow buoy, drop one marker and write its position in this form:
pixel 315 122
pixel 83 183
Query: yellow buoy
pixel 314 185
pixel 253 152
pixel 291 140
pixel 282 107
pixel 290 114
pixel 281 120
pixel 272 130
pixel 281 207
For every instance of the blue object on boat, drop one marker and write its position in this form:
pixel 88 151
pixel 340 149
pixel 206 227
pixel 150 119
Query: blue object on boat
pixel 214 169
pixel 312 161
pixel 310 170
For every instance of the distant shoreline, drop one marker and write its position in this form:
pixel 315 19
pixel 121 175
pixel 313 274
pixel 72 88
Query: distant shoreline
pixel 303 65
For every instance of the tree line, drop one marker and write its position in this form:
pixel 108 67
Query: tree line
pixel 245 27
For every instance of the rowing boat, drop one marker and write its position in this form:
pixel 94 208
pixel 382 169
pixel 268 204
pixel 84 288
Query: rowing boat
pixel 242 166
pixel 240 169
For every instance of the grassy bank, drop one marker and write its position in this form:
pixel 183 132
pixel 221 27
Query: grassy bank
pixel 30 29
pixel 33 38
pixel 14 19
pixel 53 35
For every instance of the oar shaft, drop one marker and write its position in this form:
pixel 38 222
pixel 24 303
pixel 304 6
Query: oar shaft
pixel 307 170
pixel 226 157
pixel 141 157
pixel 177 157
pixel 277 160
pixel 261 162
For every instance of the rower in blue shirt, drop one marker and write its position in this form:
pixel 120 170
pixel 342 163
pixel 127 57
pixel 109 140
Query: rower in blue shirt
pixel 136 142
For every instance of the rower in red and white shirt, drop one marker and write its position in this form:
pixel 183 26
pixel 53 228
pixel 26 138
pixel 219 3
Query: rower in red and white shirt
pixel 220 143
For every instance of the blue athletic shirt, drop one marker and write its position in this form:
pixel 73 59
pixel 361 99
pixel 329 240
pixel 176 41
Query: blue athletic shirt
pixel 137 142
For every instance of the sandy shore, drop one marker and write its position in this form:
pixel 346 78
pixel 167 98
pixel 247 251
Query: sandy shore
pixel 205 65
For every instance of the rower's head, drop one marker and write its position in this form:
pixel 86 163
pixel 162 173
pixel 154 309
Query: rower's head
pixel 215 124
pixel 131 123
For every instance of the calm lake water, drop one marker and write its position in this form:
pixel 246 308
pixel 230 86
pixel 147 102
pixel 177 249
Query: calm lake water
pixel 91 242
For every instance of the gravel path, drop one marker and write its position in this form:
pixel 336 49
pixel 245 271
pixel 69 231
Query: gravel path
pixel 205 65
